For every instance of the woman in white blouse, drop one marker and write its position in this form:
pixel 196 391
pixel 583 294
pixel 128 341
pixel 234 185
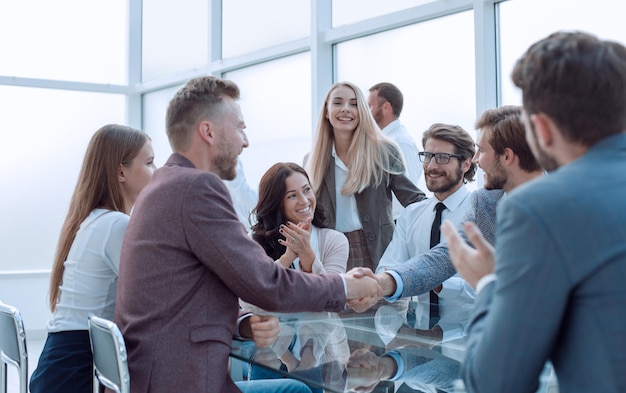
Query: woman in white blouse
pixel 118 164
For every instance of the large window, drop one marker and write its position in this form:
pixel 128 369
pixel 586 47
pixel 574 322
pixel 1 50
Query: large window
pixel 175 36
pixel 521 24
pixel 251 25
pixel 351 11
pixel 44 137
pixel 276 102
pixel 71 40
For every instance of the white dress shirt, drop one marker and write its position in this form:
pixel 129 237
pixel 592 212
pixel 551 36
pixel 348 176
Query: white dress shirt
pixel 398 133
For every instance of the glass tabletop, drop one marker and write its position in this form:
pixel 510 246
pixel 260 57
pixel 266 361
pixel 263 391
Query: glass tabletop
pixel 389 348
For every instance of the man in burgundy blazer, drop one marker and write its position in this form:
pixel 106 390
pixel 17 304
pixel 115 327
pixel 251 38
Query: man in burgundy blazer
pixel 186 257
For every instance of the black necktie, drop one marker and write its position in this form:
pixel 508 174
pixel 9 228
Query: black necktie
pixel 435 237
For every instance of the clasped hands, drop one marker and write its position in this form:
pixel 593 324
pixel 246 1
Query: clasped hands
pixel 364 290
pixel 472 263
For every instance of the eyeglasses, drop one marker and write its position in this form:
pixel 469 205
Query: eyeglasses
pixel 440 158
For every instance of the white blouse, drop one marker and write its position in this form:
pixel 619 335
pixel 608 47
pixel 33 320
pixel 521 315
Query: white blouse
pixel 90 277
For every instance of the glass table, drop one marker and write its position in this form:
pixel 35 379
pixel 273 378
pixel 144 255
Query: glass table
pixel 382 350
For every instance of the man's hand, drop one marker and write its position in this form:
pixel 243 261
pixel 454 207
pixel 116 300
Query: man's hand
pixel 386 282
pixel 472 263
pixel 264 329
pixel 363 288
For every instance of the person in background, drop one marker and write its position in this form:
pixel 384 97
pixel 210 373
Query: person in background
pixel 554 289
pixel 118 163
pixel 385 101
pixel 186 258
pixel 354 171
pixel 244 197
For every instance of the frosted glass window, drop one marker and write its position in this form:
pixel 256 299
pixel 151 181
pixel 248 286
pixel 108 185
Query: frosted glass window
pixel 154 112
pixel 432 63
pixel 175 36
pixel 276 106
pixel 351 11
pixel 250 25
pixel 521 25
pixel 73 40
pixel 44 137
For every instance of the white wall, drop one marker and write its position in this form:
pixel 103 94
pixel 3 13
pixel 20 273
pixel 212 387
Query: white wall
pixel 28 292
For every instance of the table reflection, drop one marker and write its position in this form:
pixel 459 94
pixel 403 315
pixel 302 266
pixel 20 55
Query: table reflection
pixel 378 351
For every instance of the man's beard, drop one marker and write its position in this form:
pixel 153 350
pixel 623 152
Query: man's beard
pixel 546 161
pixel 226 163
pixel 498 179
pixel 448 184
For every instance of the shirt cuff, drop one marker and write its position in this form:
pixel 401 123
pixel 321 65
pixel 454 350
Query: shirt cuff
pixel 399 362
pixel 345 286
pixel 399 286
pixel 484 281
pixel 239 320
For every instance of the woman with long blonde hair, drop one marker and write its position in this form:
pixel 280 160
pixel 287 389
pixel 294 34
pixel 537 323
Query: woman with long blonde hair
pixel 118 164
pixel 354 169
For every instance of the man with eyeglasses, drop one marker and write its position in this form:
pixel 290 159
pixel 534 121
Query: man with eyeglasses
pixel 447 164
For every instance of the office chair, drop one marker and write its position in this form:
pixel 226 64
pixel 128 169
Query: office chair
pixel 110 364
pixel 12 346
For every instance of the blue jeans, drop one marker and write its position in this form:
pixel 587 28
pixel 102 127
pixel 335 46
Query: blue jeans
pixel 282 385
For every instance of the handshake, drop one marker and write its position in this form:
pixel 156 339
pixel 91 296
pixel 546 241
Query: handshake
pixel 365 288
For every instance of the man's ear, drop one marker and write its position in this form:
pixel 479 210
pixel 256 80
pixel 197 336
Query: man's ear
pixel 387 106
pixel 509 156
pixel 545 129
pixel 206 131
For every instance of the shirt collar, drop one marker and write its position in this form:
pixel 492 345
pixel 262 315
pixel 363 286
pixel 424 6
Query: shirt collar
pixel 453 201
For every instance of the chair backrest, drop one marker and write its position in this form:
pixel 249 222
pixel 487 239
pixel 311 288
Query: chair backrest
pixel 110 364
pixel 12 346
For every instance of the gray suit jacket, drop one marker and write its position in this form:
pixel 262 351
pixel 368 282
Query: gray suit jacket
pixel 186 259
pixel 424 272
pixel 559 293
pixel 374 206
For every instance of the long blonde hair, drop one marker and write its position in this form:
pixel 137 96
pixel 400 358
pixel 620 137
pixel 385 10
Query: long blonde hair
pixel 370 156
pixel 97 187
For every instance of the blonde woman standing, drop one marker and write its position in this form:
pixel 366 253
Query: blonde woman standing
pixel 118 164
pixel 354 171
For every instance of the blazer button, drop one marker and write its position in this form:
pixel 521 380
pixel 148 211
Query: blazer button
pixel 370 237
pixel 366 218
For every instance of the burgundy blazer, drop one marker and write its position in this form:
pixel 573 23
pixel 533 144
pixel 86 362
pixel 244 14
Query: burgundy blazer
pixel 186 259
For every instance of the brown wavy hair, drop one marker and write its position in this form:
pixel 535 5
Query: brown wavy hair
pixel 269 209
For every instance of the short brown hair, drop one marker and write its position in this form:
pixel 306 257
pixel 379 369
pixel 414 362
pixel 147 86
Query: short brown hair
pixel 459 138
pixel 390 93
pixel 579 81
pixel 200 98
pixel 505 129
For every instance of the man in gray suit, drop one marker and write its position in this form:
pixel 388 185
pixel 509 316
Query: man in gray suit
pixel 507 162
pixel 186 257
pixel 560 262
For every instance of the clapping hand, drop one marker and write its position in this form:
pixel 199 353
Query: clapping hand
pixel 471 263
pixel 298 242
